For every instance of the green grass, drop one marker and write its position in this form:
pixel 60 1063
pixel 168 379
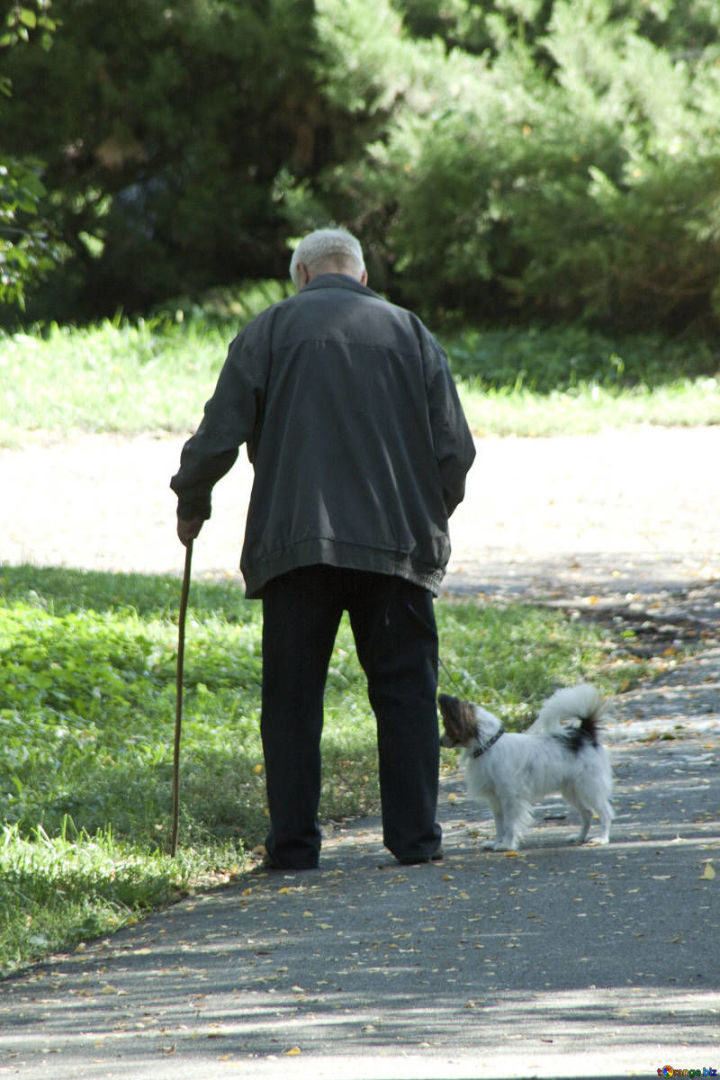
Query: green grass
pixel 120 379
pixel 87 707
pixel 587 408
pixel 156 375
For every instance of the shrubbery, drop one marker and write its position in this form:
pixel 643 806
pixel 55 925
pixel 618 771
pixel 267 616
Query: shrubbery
pixel 502 160
pixel 571 170
pixel 560 358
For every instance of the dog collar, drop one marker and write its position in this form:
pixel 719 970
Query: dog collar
pixel 480 750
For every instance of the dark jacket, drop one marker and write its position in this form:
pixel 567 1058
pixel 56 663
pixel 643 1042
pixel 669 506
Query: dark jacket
pixel 356 435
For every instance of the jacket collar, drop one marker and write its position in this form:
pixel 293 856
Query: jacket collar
pixel 338 281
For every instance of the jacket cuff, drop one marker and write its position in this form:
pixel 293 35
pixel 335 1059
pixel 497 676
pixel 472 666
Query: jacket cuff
pixel 188 509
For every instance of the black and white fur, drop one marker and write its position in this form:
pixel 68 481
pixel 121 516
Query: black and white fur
pixel 559 753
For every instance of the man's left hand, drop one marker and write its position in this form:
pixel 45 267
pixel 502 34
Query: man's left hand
pixel 188 530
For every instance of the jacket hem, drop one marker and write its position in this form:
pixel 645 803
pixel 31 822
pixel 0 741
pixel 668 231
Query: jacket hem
pixel 344 556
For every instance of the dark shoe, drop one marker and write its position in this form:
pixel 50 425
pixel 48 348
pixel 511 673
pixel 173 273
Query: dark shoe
pixel 415 860
pixel 269 863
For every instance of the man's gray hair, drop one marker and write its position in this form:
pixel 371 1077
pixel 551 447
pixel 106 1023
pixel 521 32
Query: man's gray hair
pixel 327 249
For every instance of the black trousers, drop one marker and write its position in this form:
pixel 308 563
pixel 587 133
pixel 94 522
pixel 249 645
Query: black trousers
pixel 393 623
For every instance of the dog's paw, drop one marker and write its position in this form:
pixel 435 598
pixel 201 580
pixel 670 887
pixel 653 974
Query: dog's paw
pixel 498 845
pixel 598 841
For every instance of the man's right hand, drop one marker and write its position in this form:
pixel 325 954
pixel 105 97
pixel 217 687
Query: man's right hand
pixel 188 530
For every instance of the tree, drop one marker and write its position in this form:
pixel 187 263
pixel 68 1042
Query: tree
pixel 501 159
pixel 169 130
pixel 26 249
pixel 570 171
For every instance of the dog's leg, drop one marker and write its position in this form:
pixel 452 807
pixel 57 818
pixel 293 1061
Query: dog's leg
pixel 606 815
pixel 496 807
pixel 508 821
pixel 587 817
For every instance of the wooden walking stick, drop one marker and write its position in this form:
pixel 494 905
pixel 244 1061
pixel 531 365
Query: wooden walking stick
pixel 179 696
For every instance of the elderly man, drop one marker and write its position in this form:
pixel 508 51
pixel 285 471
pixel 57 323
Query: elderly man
pixel 360 449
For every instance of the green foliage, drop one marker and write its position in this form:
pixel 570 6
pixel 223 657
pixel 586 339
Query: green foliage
pixel 164 128
pixel 25 252
pixel 526 160
pixel 87 667
pixel 26 249
pixel 572 171
pixel 561 358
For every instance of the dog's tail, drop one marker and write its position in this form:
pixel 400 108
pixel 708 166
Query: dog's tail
pixel 575 708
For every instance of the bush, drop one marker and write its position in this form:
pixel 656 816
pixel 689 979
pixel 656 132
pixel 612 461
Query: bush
pixel 568 173
pixel 511 159
pixel 560 358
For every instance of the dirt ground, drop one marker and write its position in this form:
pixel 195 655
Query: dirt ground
pixel 620 512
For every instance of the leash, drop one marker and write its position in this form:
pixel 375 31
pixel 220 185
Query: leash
pixel 179 698
pixel 456 682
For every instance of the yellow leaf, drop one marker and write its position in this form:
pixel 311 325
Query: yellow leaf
pixel 708 873
pixel 293 1052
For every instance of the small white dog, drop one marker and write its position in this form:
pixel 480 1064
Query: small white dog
pixel 559 753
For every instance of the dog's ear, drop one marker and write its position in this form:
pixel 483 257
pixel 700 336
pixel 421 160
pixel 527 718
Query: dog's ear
pixel 458 719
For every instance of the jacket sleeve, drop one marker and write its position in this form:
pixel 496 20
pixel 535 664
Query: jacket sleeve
pixel 452 439
pixel 232 416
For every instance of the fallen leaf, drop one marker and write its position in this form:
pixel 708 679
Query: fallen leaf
pixel 708 873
